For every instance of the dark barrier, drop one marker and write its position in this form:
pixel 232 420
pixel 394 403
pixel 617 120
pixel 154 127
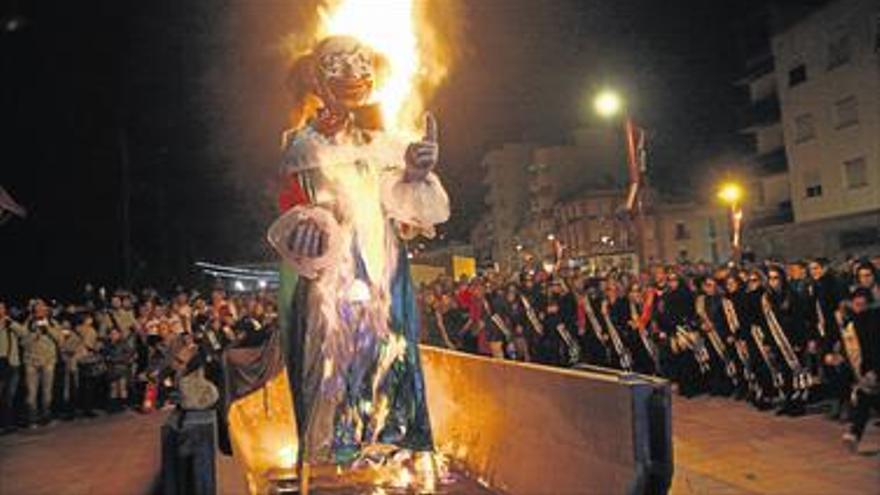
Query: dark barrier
pixel 529 429
pixel 188 449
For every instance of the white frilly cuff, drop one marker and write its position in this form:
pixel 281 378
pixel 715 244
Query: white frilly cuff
pixel 421 204
pixel 281 230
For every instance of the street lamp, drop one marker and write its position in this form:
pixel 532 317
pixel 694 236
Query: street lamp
pixel 731 194
pixel 608 104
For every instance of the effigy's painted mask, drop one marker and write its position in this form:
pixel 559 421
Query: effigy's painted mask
pixel 345 70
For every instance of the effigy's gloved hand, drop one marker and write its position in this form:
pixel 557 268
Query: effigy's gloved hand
pixel 421 157
pixel 307 239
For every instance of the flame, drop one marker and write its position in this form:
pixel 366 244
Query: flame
pixel 287 456
pixel 392 28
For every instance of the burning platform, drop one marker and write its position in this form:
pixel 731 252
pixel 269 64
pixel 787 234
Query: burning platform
pixel 514 427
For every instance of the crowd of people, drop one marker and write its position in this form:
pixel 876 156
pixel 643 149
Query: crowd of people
pixel 792 337
pixel 110 353
pixel 785 337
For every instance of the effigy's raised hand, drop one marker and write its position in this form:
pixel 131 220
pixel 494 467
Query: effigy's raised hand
pixel 307 240
pixel 422 156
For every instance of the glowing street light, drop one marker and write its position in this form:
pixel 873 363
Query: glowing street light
pixel 608 104
pixel 731 194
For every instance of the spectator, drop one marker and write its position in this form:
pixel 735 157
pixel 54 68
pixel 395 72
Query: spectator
pixel 72 348
pixel 122 316
pixel 10 363
pixel 90 364
pixel 863 329
pixel 119 355
pixel 39 343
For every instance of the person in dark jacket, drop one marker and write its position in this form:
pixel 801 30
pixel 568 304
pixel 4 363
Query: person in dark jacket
pixel 551 347
pixel 723 375
pixel 865 325
pixel 119 354
pixel 677 318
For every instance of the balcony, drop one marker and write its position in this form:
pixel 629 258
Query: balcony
pixel 771 163
pixel 761 113
pixel 782 215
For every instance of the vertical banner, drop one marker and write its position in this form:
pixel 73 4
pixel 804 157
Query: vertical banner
pixel 636 161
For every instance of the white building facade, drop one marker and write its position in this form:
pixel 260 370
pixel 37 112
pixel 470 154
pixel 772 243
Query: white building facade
pixel 826 73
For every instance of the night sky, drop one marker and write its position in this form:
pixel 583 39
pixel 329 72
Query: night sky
pixel 184 102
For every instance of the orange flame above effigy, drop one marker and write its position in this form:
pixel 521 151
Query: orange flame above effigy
pixel 395 29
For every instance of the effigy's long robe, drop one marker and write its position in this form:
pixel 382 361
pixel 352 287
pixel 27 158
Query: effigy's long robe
pixel 349 318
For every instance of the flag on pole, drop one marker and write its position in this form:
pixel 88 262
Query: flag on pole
pixel 636 161
pixel 641 151
pixel 9 206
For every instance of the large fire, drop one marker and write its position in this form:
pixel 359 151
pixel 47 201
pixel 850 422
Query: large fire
pixel 392 27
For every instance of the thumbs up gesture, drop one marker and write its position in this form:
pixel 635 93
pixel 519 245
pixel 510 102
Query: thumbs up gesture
pixel 422 156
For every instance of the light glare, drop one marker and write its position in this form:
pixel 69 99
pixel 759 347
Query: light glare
pixel 730 193
pixel 608 104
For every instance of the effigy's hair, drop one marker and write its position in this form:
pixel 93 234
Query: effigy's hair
pixel 302 84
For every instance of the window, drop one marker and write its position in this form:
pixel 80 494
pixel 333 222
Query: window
pixel 804 130
pixel 814 191
pixel 839 51
pixel 681 231
pixel 846 112
pixel 812 184
pixel 856 173
pixel 797 75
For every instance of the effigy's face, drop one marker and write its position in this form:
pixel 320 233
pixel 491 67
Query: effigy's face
pixel 346 71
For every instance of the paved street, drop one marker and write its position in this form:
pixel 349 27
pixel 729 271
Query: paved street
pixel 110 455
pixel 721 447
pixel 724 447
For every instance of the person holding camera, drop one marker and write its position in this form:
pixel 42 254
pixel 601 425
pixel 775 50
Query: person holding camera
pixel 39 345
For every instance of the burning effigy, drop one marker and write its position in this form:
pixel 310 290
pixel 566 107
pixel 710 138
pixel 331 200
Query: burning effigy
pixel 356 185
pixel 354 192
